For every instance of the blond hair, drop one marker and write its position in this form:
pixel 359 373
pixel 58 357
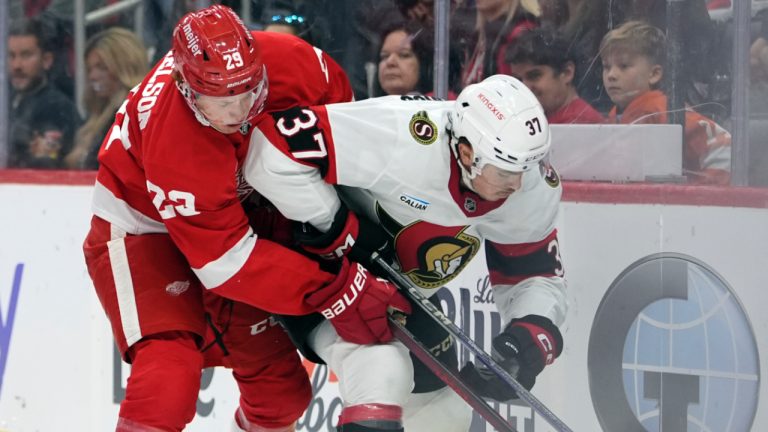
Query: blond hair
pixel 125 57
pixel 637 37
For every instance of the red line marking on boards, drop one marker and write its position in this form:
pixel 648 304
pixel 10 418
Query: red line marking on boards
pixel 588 192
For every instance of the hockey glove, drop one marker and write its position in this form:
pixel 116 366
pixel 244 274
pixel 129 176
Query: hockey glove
pixel 357 304
pixel 523 349
pixel 351 236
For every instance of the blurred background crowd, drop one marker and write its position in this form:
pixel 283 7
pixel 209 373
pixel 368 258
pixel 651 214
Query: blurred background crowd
pixel 70 63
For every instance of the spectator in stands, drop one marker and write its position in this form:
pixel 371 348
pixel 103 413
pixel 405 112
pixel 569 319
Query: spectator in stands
pixel 406 61
pixel 115 61
pixel 633 57
pixel 700 54
pixel 548 64
pixel 498 25
pixel 285 17
pixel 586 24
pixel 42 119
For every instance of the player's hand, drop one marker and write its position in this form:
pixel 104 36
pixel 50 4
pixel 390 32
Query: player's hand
pixel 357 304
pixel 352 236
pixel 523 349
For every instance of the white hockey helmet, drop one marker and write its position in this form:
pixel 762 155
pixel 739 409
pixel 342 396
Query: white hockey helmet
pixel 504 122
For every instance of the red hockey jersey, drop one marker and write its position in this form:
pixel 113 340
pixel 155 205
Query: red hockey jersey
pixel 162 171
pixel 707 146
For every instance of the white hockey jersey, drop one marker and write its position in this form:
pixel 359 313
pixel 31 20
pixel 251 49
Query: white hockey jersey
pixel 394 154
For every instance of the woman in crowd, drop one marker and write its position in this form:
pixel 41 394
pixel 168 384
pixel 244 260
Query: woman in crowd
pixel 406 61
pixel 115 61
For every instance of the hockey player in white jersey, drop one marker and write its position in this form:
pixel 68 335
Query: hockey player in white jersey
pixel 440 178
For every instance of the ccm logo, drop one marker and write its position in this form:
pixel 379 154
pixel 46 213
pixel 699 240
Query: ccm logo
pixel 547 345
pixel 342 250
pixel 260 326
pixel 355 288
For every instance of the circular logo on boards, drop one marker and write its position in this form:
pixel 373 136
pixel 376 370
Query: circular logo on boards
pixel 672 349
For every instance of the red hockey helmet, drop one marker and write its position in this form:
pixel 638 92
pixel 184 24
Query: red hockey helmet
pixel 217 56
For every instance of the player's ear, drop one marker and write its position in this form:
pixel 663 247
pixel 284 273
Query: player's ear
pixel 47 58
pixel 569 71
pixel 466 154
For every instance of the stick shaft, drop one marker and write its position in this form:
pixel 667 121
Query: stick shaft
pixel 411 291
pixel 450 377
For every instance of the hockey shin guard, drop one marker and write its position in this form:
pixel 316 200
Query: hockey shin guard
pixel 164 382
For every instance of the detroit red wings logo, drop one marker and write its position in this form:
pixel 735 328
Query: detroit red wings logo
pixel 432 255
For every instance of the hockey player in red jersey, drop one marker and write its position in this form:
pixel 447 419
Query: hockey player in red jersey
pixel 442 179
pixel 184 279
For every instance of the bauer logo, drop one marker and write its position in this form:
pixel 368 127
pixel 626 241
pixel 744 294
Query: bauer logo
pixel 422 129
pixel 672 349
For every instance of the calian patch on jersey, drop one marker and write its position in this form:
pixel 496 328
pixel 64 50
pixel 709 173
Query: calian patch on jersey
pixel 413 202
pixel 422 128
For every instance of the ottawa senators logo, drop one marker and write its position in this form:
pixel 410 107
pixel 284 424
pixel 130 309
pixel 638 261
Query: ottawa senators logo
pixel 422 129
pixel 432 255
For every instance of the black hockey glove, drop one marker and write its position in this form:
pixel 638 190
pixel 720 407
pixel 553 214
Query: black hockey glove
pixel 355 237
pixel 523 349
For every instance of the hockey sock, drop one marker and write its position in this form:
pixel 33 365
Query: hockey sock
pixel 272 396
pixel 164 382
pixel 370 418
pixel 354 427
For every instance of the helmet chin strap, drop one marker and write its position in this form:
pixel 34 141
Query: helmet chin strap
pixel 467 175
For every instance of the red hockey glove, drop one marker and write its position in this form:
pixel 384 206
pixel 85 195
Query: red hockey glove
pixel 522 349
pixel 357 304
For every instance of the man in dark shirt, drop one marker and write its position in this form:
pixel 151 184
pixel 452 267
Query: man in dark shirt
pixel 43 120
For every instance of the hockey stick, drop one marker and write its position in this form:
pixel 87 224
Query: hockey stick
pixel 449 376
pixel 418 298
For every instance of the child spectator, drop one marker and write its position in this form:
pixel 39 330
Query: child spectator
pixel 115 61
pixel 547 63
pixel 633 57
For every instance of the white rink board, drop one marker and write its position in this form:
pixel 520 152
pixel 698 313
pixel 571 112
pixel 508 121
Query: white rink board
pixel 58 356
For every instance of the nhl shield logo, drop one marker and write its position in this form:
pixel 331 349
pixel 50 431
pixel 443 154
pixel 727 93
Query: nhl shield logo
pixel 422 128
pixel 470 205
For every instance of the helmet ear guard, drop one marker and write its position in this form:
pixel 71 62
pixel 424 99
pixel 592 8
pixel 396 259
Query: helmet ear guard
pixel 503 122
